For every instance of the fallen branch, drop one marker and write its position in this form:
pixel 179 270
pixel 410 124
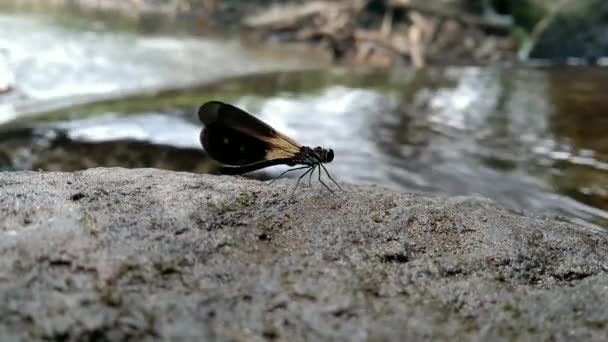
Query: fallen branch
pixel 285 16
pixel 282 16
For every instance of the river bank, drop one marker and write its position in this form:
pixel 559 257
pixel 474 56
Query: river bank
pixel 383 33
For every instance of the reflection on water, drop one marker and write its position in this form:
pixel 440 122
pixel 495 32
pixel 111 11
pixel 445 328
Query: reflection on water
pixel 145 127
pixel 580 125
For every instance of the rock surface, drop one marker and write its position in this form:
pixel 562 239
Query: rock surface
pixel 109 254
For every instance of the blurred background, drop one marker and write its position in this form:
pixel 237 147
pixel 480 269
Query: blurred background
pixel 501 98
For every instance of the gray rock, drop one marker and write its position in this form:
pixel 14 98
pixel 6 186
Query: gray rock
pixel 111 254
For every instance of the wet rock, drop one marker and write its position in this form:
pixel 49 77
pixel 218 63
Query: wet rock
pixel 117 253
pixel 132 142
pixel 52 150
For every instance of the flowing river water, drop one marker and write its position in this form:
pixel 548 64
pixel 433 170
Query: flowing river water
pixel 531 139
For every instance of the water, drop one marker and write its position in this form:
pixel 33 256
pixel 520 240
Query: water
pixel 59 57
pixel 531 139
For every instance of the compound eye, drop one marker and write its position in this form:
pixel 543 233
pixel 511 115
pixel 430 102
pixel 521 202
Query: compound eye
pixel 329 156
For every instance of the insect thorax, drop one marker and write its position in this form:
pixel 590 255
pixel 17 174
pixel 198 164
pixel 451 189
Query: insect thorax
pixel 309 156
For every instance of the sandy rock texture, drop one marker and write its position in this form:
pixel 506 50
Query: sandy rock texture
pixel 113 254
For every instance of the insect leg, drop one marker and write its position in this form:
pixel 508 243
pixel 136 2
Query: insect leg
pixel 284 172
pixel 299 179
pixel 325 185
pixel 328 175
pixel 311 173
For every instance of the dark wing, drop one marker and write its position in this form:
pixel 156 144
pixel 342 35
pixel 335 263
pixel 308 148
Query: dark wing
pixel 235 137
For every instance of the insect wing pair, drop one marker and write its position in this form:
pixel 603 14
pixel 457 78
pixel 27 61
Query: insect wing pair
pixel 243 143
